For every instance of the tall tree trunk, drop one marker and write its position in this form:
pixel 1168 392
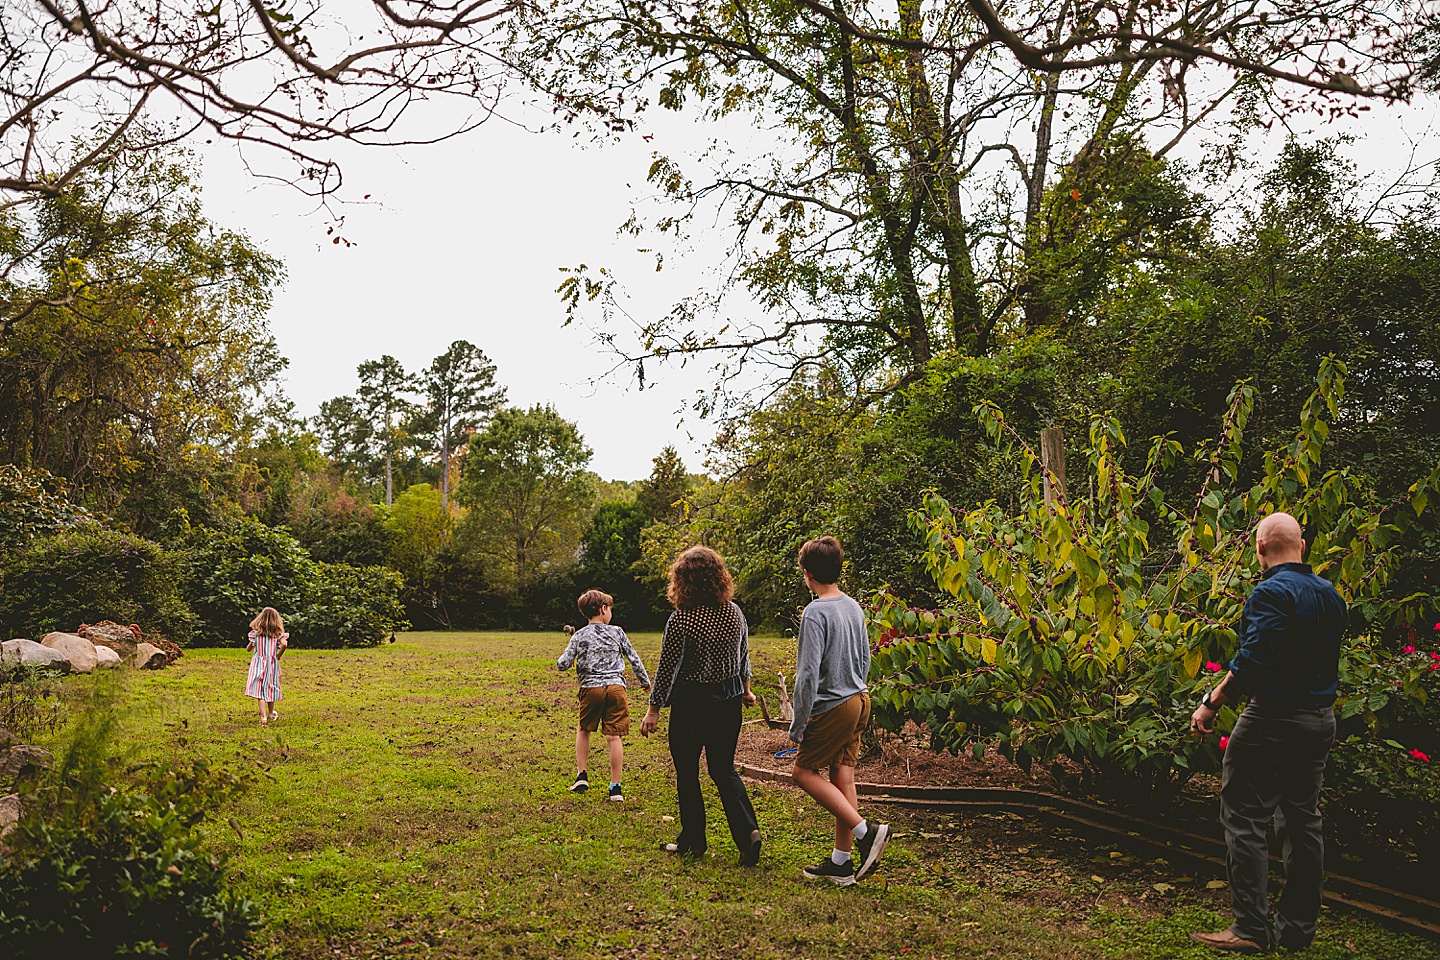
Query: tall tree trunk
pixel 389 490
pixel 445 470
pixel 1038 310
pixel 445 454
pixel 941 192
pixel 898 239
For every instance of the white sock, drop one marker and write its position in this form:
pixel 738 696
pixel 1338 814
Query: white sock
pixel 840 857
pixel 860 829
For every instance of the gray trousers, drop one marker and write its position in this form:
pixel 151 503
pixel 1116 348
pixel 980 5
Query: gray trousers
pixel 1274 766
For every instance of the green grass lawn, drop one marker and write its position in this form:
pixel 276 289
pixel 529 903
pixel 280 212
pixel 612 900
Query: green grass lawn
pixel 412 801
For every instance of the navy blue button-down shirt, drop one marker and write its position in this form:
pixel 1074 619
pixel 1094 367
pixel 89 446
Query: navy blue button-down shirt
pixel 1290 635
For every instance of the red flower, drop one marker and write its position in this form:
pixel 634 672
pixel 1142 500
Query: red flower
pixel 1419 756
pixel 1213 667
pixel 1224 742
pixel 1410 649
pixel 1435 665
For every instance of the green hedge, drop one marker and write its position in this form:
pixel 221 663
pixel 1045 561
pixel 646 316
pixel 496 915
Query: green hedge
pixel 231 574
pixel 349 607
pixel 91 573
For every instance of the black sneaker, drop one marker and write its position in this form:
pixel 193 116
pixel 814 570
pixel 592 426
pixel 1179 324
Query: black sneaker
pixel 615 793
pixel 840 874
pixel 582 782
pixel 869 847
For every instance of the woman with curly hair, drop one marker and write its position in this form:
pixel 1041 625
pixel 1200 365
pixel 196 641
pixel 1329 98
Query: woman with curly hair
pixel 704 677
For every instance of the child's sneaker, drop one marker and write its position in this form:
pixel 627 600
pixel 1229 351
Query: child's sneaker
pixel 869 847
pixel 616 795
pixel 582 782
pixel 840 874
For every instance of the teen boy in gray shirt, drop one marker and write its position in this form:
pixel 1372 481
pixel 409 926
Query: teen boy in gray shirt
pixel 832 708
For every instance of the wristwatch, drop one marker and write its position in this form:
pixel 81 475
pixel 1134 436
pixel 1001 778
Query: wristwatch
pixel 1205 702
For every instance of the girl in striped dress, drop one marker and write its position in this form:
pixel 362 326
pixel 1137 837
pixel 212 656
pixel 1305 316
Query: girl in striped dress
pixel 268 639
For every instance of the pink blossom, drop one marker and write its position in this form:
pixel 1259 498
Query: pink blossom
pixel 1410 649
pixel 1419 756
pixel 1213 667
pixel 1435 666
pixel 1224 742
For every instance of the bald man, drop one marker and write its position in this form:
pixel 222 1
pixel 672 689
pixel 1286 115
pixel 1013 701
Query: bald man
pixel 1287 666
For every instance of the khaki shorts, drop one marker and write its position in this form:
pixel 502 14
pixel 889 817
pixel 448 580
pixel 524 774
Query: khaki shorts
pixel 606 709
pixel 833 738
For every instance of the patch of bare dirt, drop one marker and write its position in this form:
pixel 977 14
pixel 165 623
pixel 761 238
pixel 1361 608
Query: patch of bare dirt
pixel 903 758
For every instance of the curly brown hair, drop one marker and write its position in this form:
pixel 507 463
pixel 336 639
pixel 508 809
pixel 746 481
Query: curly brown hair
pixel 698 578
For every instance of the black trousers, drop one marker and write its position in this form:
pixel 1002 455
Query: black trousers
pixel 1274 767
pixel 714 727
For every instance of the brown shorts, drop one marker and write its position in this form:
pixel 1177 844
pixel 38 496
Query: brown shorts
pixel 833 738
pixel 606 709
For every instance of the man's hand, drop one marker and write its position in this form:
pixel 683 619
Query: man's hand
pixel 1202 721
pixel 748 698
pixel 651 721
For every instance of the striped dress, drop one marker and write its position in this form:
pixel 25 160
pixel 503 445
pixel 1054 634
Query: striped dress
pixel 264 680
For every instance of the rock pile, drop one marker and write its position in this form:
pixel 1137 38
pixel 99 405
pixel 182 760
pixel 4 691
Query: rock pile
pixel 101 646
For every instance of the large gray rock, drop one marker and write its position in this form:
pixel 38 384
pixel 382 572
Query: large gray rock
pixel 79 651
pixel 149 657
pixel 9 813
pixel 21 761
pixel 107 657
pixel 112 635
pixel 28 653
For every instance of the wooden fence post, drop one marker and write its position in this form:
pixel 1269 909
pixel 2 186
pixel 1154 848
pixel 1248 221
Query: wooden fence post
pixel 1052 458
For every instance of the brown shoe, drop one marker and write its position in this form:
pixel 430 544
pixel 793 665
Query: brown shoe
pixel 1225 940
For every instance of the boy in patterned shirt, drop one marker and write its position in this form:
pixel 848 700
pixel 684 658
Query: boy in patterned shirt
pixel 596 650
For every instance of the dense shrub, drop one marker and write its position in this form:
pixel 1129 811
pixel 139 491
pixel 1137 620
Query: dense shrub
pixel 230 575
pixel 90 573
pixel 348 606
pixel 1085 630
pixel 108 861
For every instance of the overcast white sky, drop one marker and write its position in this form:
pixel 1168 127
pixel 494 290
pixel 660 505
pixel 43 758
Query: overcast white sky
pixel 464 240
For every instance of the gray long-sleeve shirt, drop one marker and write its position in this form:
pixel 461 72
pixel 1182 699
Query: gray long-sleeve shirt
pixel 833 661
pixel 598 651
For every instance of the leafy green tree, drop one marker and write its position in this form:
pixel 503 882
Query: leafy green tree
pixel 904 210
pixel 420 528
pixel 529 493
pixel 135 355
pixel 660 496
pixel 609 553
pixel 346 434
pixel 384 398
pixel 461 394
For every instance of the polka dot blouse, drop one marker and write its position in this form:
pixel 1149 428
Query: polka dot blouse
pixel 702 645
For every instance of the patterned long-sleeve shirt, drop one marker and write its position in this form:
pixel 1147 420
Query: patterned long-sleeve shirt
pixel 598 652
pixel 703 645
